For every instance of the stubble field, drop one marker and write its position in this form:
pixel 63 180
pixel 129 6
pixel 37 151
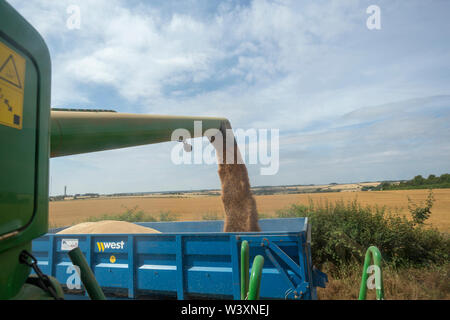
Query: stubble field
pixel 69 212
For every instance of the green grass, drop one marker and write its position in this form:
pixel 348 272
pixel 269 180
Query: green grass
pixel 424 283
pixel 167 216
pixel 212 216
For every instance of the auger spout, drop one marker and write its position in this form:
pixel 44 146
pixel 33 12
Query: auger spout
pixel 75 132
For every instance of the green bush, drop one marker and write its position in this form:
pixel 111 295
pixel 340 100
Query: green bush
pixel 211 216
pixel 420 213
pixel 342 232
pixel 130 215
pixel 167 216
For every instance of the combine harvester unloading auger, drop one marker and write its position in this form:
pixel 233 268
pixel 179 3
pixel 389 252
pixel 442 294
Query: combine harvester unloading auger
pixel 186 259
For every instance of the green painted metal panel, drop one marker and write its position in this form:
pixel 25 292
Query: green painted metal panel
pixel 24 152
pixel 18 151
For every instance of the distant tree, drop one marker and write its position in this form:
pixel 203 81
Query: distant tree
pixel 444 178
pixel 418 180
pixel 432 179
pixel 384 186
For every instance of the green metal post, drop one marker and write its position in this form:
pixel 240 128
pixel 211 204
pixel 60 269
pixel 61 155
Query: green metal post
pixel 255 278
pixel 374 253
pixel 86 275
pixel 244 269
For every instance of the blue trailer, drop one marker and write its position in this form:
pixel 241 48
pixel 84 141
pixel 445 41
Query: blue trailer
pixel 187 260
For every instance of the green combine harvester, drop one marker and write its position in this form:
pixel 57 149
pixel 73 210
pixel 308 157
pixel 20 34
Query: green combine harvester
pixel 30 133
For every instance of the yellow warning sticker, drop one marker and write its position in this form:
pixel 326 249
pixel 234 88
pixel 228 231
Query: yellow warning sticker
pixel 12 81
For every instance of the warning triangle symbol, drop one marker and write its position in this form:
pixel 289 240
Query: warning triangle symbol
pixel 8 72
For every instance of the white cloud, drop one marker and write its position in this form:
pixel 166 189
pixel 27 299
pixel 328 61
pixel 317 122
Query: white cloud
pixel 299 66
pixel 137 53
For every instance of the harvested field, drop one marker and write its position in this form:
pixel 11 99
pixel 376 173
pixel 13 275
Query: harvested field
pixel 64 213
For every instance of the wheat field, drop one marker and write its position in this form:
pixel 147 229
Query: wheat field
pixel 69 212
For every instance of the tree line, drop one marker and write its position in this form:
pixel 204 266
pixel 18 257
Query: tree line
pixel 418 182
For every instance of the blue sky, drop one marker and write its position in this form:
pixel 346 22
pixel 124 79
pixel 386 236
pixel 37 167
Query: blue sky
pixel 351 104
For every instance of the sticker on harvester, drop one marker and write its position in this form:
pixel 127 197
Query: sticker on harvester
pixel 12 81
pixel 69 244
